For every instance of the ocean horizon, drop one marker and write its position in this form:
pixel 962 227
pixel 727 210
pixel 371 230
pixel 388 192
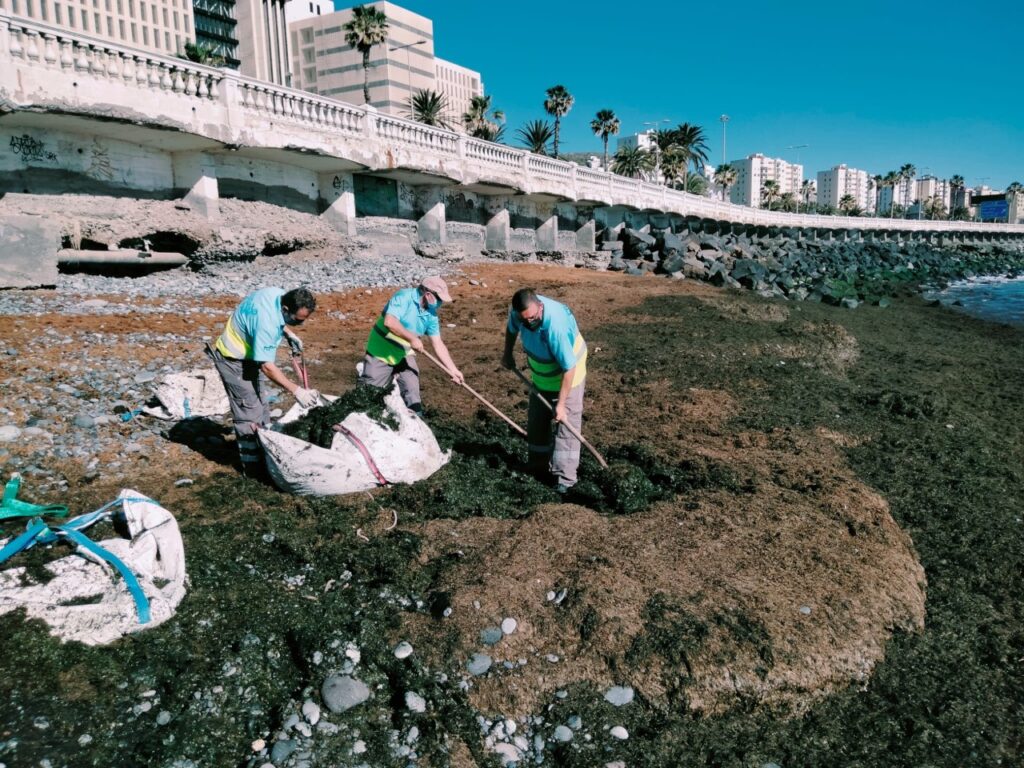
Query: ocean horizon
pixel 999 299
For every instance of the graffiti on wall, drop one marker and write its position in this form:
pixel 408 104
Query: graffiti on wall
pixel 99 162
pixel 30 149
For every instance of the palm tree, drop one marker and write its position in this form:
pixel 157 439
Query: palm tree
pixel 769 192
pixel 1015 188
pixel 806 187
pixel 557 104
pixel 201 53
pixel 935 207
pixel 847 203
pixel 788 202
pixel 891 179
pixel 673 167
pixel 907 172
pixel 368 27
pixel 687 140
pixel 696 185
pixel 633 162
pixel 536 136
pixel 477 122
pixel 725 176
pixel 430 108
pixel 956 183
pixel 605 124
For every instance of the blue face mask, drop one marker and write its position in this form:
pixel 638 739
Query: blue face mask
pixel 433 308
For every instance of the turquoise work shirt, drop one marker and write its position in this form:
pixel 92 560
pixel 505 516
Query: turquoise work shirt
pixel 405 305
pixel 260 323
pixel 555 340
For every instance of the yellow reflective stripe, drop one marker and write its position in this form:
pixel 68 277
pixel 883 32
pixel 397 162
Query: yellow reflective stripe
pixel 547 374
pixel 232 344
pixel 386 346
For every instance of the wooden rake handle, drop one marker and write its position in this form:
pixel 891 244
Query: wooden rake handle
pixel 572 430
pixel 476 394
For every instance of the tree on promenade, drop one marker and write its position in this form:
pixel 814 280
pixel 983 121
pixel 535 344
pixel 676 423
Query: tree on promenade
pixel 935 207
pixel 368 27
pixel 201 53
pixel 482 121
pixel 788 202
pixel 605 124
pixel 536 136
pixel 907 174
pixel 557 104
pixel 696 185
pixel 673 168
pixel 633 162
pixel 725 177
pixel 847 203
pixel 956 184
pixel 692 143
pixel 430 108
pixel 891 179
pixel 806 188
pixel 770 192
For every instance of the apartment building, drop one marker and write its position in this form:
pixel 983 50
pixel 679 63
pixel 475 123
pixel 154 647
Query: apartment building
pixel 754 170
pixel 835 183
pixel 459 85
pixel 263 40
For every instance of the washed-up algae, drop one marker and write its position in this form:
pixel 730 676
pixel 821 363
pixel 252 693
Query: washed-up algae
pixel 317 426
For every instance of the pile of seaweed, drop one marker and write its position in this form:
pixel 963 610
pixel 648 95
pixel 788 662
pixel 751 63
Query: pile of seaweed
pixel 317 426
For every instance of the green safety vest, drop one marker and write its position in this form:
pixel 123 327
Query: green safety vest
pixel 547 374
pixel 386 346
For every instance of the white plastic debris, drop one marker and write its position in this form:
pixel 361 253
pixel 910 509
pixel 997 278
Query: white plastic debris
pixel 86 601
pixel 193 393
pixel 404 455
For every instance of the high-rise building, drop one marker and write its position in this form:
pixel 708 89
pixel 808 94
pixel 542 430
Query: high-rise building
pixel 905 192
pixel 322 62
pixel 753 171
pixel 216 31
pixel 835 183
pixel 928 187
pixel 263 40
pixel 161 26
pixel 297 10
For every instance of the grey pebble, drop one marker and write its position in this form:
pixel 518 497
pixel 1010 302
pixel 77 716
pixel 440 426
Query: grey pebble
pixel 342 692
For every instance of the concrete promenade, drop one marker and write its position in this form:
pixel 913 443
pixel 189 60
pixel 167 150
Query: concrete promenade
pixel 81 114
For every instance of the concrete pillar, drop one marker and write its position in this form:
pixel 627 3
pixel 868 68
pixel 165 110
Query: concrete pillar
pixel 586 237
pixel 338 193
pixel 431 226
pixel 196 173
pixel 498 231
pixel 547 232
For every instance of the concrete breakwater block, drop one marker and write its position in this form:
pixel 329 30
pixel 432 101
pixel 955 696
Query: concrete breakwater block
pixel 28 251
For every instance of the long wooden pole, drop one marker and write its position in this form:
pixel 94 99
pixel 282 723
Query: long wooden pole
pixel 476 394
pixel 572 430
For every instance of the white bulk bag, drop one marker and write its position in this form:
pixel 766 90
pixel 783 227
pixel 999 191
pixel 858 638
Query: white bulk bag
pixel 194 393
pixel 86 600
pixel 402 455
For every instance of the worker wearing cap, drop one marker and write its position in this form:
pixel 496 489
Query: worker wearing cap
pixel 247 348
pixel 408 315
pixel 557 355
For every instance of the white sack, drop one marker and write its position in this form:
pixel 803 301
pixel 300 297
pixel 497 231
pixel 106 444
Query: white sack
pixel 194 393
pixel 155 554
pixel 402 455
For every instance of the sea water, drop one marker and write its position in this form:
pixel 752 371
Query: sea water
pixel 998 299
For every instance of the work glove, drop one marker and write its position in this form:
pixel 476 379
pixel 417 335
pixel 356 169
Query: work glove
pixel 294 344
pixel 307 398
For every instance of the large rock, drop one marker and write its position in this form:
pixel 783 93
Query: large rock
pixel 342 692
pixel 670 244
pixel 28 252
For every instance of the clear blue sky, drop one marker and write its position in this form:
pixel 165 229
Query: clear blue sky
pixel 871 84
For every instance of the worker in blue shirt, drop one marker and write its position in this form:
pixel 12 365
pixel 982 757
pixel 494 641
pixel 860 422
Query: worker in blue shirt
pixel 408 315
pixel 557 356
pixel 248 348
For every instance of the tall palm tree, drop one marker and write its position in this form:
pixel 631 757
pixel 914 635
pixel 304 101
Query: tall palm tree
pixel 770 192
pixel 806 187
pixel 430 108
pixel 1015 188
pixel 907 173
pixel 557 104
pixel 368 27
pixel 673 167
pixel 687 140
pixel 891 179
pixel 536 136
pixel 482 121
pixel 605 124
pixel 725 177
pixel 956 183
pixel 634 162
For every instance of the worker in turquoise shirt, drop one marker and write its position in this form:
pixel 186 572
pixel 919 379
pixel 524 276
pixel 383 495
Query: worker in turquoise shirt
pixel 408 315
pixel 246 349
pixel 557 355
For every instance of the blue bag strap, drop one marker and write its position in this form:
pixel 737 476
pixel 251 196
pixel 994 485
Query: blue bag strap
pixel 141 601
pixel 12 506
pixel 25 540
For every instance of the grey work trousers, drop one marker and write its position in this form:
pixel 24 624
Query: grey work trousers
pixel 378 373
pixel 248 410
pixel 561 455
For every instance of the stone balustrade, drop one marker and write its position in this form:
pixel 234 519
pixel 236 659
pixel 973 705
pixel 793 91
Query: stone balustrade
pixel 46 69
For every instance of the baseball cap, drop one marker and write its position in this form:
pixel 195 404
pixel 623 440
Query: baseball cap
pixel 438 286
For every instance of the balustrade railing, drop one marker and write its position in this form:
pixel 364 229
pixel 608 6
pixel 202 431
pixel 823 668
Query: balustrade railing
pixel 34 45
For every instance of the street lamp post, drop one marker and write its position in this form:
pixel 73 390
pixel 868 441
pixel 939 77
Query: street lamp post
pixel 724 119
pixel 408 65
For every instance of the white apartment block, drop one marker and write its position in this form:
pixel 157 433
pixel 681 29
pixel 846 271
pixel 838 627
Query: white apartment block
pixel 297 10
pixel 262 34
pixel 643 140
pixel 906 194
pixel 753 171
pixel 928 187
pixel 322 62
pixel 835 183
pixel 161 26
pixel 459 85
